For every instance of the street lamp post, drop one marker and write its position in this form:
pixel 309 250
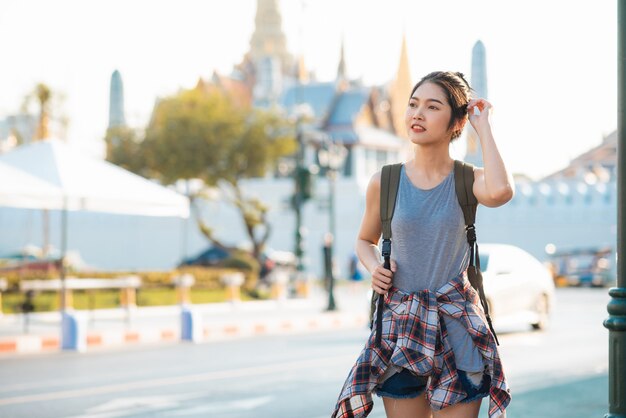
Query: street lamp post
pixel 301 173
pixel 331 157
pixel 303 185
pixel 616 322
pixel 297 200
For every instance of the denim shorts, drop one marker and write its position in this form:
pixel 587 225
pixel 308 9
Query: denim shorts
pixel 405 384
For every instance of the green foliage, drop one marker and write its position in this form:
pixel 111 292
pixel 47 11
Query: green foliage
pixel 201 133
pixel 13 277
pixel 124 148
pixel 48 107
pixel 189 136
pixel 206 277
pixel 106 299
pixel 243 261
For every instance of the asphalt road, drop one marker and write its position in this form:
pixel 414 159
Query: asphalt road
pixel 301 375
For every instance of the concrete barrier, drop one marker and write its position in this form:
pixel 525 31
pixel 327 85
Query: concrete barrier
pixel 73 324
pixel 233 282
pixel 73 331
pixel 128 286
pixel 183 285
pixel 279 278
pixel 303 283
pixel 191 324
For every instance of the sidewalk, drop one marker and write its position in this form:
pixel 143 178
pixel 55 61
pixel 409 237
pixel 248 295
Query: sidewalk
pixel 584 397
pixel 217 321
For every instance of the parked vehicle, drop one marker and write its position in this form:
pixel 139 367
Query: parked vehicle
pixel 584 266
pixel 517 286
pixel 211 257
pixel 217 257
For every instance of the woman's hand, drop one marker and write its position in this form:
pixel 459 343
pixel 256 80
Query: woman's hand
pixel 382 278
pixel 479 122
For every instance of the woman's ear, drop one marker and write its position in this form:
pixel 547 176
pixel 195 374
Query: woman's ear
pixel 460 124
pixel 457 128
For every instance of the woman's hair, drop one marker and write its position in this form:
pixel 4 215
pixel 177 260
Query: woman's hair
pixel 457 91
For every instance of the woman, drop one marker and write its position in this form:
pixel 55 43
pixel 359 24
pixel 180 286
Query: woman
pixel 447 372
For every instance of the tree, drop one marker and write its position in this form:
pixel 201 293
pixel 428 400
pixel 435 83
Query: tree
pixel 124 148
pixel 49 104
pixel 200 133
pixel 42 92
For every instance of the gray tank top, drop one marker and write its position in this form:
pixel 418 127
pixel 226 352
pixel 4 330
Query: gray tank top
pixel 430 249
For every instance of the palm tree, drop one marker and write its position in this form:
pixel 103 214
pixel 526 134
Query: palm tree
pixel 43 94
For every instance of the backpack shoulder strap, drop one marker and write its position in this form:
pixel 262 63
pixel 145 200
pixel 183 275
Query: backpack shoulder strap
pixel 464 182
pixel 389 182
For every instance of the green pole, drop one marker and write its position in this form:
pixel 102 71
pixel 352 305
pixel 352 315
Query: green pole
pixel 62 271
pixel 616 322
pixel 332 306
pixel 297 199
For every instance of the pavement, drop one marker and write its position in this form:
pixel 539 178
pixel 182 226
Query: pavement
pixel 582 396
pixel 102 328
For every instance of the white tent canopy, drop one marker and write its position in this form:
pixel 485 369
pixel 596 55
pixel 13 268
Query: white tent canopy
pixel 22 190
pixel 94 185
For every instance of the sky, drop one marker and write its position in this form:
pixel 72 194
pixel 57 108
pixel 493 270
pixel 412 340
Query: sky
pixel 551 65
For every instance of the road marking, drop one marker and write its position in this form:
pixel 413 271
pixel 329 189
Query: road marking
pixel 167 381
pixel 226 406
pixel 121 407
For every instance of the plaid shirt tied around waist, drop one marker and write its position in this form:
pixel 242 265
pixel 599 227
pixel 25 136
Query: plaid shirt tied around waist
pixel 415 337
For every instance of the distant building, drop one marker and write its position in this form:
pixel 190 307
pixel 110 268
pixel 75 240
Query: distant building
pixel 116 101
pixel 268 66
pixel 571 210
pixel 599 164
pixel 343 111
pixel 473 153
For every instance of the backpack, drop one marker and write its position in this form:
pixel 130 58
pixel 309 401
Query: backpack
pixel 463 181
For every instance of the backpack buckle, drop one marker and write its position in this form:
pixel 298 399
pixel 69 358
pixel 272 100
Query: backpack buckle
pixel 471 233
pixel 386 248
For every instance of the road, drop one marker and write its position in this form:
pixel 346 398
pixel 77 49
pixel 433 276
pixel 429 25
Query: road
pixel 299 375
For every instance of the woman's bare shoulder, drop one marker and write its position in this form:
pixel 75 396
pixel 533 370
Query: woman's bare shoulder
pixel 373 187
pixel 375 179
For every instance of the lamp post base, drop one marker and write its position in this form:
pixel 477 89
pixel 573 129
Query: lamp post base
pixel 616 324
pixel 331 302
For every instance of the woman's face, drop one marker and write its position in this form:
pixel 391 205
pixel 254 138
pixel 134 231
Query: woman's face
pixel 428 115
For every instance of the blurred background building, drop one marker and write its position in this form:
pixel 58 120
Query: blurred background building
pixel 116 102
pixel 574 208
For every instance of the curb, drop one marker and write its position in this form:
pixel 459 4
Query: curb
pixel 26 344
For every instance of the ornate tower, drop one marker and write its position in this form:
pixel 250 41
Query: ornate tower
pixel 400 90
pixel 268 39
pixel 116 101
pixel 341 68
pixel 301 73
pixel 268 63
pixel 479 84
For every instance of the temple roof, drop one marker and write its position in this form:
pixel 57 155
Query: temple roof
pixel 319 96
pixel 346 107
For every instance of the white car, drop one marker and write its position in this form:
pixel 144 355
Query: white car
pixel 518 287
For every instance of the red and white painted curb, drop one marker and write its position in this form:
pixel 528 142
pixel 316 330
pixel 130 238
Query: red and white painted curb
pixel 107 338
pixel 298 325
pixel 216 331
